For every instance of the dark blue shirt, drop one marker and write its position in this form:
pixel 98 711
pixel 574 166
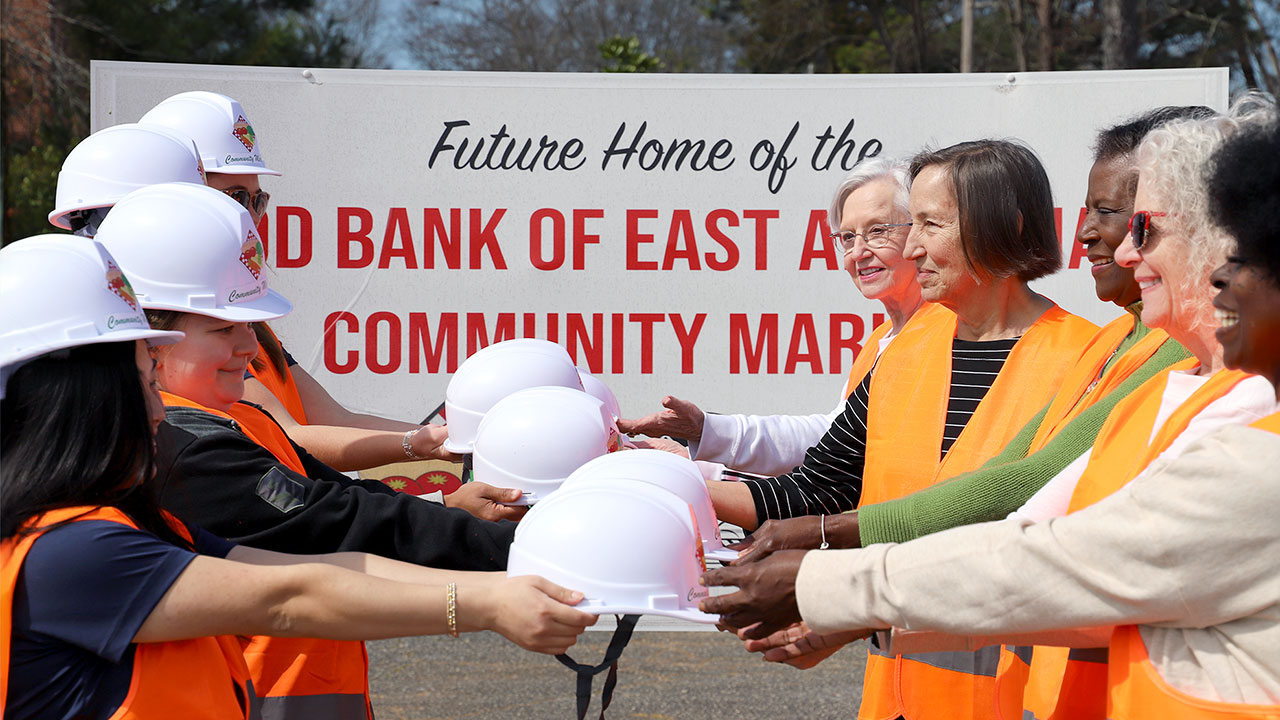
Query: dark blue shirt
pixel 83 592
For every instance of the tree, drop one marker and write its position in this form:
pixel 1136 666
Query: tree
pixel 562 35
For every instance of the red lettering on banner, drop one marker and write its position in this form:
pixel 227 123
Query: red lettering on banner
pixel 616 322
pixel 740 344
pixel 575 332
pixel 371 342
pixel 1078 250
pixel 486 238
pixel 803 331
pixel 635 238
pixel 840 342
pixel 331 343
pixel 687 337
pixel 646 321
pixel 536 223
pixel 433 230
pixel 730 247
pixel 825 249
pixel 478 332
pixel 681 226
pixel 359 236
pixel 581 238
pixel 284 213
pixel 445 345
pixel 761 219
pixel 397 229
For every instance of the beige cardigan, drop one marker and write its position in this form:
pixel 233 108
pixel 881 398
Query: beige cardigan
pixel 1190 550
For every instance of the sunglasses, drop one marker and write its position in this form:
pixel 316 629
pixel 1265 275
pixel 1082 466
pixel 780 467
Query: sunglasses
pixel 255 203
pixel 1140 227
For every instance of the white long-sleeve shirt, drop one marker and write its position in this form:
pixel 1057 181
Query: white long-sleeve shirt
pixel 1190 551
pixel 765 444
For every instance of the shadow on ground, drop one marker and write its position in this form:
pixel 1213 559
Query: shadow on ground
pixel 661 675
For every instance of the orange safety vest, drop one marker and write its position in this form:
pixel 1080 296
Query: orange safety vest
pixel 905 418
pixel 1085 383
pixel 1135 691
pixel 296 677
pixel 202 678
pixel 870 351
pixel 282 386
pixel 1070 683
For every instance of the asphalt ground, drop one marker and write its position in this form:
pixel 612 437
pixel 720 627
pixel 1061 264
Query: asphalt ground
pixel 662 675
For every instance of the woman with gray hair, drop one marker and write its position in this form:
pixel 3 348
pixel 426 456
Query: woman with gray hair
pixel 869 220
pixel 1150 525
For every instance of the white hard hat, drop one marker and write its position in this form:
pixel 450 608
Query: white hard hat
pixel 495 372
pixel 670 472
pixel 220 128
pixel 192 249
pixel 60 291
pixel 630 548
pixel 533 439
pixel 596 387
pixel 115 161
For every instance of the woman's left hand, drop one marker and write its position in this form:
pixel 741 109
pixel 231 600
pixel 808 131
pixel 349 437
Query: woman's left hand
pixel 766 595
pixel 484 501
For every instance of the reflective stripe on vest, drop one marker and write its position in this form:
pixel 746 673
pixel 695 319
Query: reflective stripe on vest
pixel 866 358
pixel 909 391
pixel 282 386
pixel 1064 684
pixel 327 672
pixel 1135 691
pixel 202 678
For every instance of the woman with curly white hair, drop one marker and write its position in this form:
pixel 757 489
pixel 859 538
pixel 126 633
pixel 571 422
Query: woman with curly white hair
pixel 1167 549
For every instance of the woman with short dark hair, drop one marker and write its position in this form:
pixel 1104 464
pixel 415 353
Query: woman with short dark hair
pixel 952 389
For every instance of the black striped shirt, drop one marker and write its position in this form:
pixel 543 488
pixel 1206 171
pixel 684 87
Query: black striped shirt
pixel 830 480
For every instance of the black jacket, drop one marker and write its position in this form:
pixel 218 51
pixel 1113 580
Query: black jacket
pixel 213 475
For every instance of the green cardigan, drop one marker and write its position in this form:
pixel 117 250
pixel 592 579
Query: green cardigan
pixel 1007 480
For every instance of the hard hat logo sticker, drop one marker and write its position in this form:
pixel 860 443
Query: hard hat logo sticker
pixel 697 540
pixel 251 255
pixel 200 168
pixel 118 284
pixel 243 132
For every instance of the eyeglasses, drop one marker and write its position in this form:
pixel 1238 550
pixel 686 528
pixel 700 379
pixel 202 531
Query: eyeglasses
pixel 255 203
pixel 1140 227
pixel 876 236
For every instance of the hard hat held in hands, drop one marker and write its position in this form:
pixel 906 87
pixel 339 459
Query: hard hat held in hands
pixel 597 389
pixel 630 548
pixel 61 291
pixel 495 372
pixel 227 141
pixel 533 439
pixel 192 249
pixel 669 472
pixel 115 161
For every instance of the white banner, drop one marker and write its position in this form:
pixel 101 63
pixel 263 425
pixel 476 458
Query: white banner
pixel 668 230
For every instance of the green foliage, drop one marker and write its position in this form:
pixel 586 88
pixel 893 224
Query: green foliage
pixel 623 55
pixel 30 183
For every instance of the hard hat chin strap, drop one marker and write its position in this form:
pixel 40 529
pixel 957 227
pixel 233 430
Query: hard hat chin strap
pixel 586 673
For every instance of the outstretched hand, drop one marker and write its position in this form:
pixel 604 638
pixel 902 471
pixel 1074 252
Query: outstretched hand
pixel 677 419
pixel 532 612
pixel 799 533
pixel 766 596
pixel 800 647
pixel 485 501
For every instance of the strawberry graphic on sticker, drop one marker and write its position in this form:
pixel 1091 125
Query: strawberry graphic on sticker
pixel 251 255
pixel 119 284
pixel 243 132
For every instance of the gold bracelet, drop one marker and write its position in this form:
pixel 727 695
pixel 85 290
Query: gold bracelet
pixel 451 608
